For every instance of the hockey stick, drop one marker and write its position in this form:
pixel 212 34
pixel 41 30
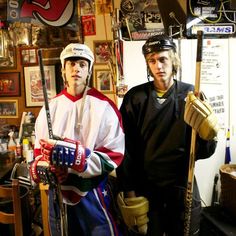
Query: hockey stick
pixel 189 190
pixel 56 187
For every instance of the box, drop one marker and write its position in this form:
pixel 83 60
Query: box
pixel 228 188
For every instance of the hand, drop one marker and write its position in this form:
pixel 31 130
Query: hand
pixel 200 116
pixel 60 172
pixel 40 171
pixel 68 153
pixel 134 212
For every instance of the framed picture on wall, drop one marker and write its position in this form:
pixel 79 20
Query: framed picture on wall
pixel 1 45
pixel 29 56
pixel 103 80
pixel 33 85
pixel 8 61
pixel 9 108
pixel 102 51
pixel 9 84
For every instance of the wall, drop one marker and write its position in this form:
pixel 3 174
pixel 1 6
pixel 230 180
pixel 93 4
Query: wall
pixel 103 32
pixel 21 99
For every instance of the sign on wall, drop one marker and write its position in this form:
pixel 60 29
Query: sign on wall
pixel 214 17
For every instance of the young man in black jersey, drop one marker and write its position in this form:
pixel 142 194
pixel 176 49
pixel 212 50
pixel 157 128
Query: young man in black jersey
pixel 158 123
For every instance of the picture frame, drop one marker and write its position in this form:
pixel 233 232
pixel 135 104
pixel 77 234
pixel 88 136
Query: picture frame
pixel 29 56
pixel 103 80
pixel 10 84
pixel 8 62
pixel 33 85
pixel 1 45
pixel 102 51
pixel 9 108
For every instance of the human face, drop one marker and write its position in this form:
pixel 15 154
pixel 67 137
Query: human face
pixel 161 68
pixel 76 73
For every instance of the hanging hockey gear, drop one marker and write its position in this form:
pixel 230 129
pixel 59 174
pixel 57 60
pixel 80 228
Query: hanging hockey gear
pixel 134 212
pixel 200 116
pixel 68 153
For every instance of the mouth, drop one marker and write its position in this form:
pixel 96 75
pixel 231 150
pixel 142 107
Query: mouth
pixel 160 74
pixel 75 76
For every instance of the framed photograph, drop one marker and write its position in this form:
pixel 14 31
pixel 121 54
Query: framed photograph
pixel 102 51
pixel 89 25
pixel 103 7
pixel 103 80
pixel 9 109
pixel 33 85
pixel 29 56
pixel 10 84
pixel 1 44
pixel 9 59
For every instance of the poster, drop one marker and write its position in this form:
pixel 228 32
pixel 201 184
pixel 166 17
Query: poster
pixel 44 12
pixel 214 18
pixel 140 19
pixel 212 63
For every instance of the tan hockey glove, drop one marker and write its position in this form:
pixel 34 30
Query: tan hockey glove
pixel 200 116
pixel 134 212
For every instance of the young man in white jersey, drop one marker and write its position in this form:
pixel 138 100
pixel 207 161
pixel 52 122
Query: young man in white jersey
pixel 91 146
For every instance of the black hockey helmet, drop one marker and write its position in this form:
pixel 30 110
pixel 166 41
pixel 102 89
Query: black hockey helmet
pixel 158 43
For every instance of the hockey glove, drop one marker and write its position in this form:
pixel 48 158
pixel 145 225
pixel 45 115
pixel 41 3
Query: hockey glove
pixel 40 171
pixel 134 212
pixel 67 153
pixel 200 116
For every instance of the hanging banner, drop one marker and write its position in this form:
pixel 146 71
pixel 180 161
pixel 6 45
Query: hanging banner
pixel 51 13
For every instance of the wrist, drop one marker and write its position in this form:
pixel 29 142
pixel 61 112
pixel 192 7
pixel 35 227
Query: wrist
pixel 81 154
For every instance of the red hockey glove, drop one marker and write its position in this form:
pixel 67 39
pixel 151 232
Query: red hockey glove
pixel 40 171
pixel 68 153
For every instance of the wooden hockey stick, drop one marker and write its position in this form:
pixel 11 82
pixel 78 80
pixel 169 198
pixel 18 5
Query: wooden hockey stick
pixel 189 190
pixel 55 186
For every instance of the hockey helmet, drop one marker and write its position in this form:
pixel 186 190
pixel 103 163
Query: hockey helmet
pixel 158 43
pixel 77 50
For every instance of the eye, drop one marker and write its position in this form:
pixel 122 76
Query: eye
pixel 163 59
pixel 82 64
pixel 72 63
pixel 151 61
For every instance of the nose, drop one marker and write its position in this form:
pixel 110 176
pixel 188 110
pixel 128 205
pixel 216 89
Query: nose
pixel 158 64
pixel 76 67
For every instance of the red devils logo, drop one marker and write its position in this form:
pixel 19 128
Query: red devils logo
pixel 49 12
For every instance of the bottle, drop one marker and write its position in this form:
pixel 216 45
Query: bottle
pixel 18 148
pixel 11 146
pixel 25 146
pixel 32 139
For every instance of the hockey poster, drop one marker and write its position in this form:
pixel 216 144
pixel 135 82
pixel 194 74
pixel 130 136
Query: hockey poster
pixel 140 19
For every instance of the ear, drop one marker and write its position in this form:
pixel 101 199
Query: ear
pixel 63 71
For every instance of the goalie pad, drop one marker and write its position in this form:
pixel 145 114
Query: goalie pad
pixel 134 212
pixel 200 116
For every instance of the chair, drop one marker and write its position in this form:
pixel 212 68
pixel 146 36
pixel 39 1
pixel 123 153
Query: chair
pixel 44 203
pixel 13 192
